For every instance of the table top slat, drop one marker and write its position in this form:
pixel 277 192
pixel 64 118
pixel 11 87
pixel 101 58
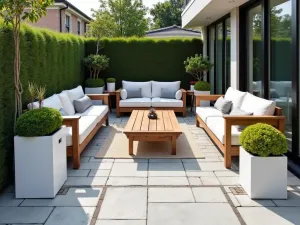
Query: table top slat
pixel 160 122
pixel 152 125
pixel 131 121
pixel 174 121
pixel 145 122
pixel 168 124
pixel 138 121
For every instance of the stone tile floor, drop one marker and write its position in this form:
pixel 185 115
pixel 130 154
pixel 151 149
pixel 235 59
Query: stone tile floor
pixel 152 192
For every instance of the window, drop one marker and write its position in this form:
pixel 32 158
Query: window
pixel 78 27
pixel 84 27
pixel 68 25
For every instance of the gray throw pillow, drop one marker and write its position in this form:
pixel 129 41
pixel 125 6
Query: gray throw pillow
pixel 82 104
pixel 239 112
pixel 168 93
pixel 134 93
pixel 274 94
pixel 223 105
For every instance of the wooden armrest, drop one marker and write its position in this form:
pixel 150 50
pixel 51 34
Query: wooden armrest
pixel 71 121
pixel 69 118
pixel 206 98
pixel 119 90
pixel 183 90
pixel 237 118
pixel 103 97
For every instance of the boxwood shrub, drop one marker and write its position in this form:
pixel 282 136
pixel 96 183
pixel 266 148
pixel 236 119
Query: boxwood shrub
pixel 202 86
pixel 92 83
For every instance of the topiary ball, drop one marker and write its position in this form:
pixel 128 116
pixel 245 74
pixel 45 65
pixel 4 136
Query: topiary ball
pixel 202 86
pixel 110 80
pixel 93 83
pixel 263 140
pixel 39 122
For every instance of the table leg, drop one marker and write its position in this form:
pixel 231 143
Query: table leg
pixel 192 103
pixel 109 102
pixel 130 145
pixel 173 145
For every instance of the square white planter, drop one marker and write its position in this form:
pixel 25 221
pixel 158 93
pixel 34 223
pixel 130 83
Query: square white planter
pixel 40 165
pixel 203 103
pixel 263 177
pixel 111 86
pixel 96 90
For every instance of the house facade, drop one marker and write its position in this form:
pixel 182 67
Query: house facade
pixel 65 18
pixel 173 31
pixel 254 45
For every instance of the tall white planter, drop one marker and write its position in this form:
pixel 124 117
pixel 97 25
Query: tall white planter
pixel 263 177
pixel 40 165
pixel 192 87
pixel 203 103
pixel 111 86
pixel 96 90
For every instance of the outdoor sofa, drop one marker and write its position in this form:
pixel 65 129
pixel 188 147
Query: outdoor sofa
pixel 152 95
pixel 81 127
pixel 225 129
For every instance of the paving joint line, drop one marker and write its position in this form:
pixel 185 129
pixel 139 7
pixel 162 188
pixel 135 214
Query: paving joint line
pixel 98 207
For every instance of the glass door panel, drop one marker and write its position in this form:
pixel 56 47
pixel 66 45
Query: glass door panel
pixel 227 54
pixel 219 59
pixel 212 58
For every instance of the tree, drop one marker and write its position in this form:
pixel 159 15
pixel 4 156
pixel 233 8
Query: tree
pixel 166 14
pixel 14 12
pixel 120 18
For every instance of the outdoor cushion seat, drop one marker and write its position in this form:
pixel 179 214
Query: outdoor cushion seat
pixel 86 125
pixel 136 102
pixel 205 112
pixel 95 110
pixel 166 102
pixel 216 125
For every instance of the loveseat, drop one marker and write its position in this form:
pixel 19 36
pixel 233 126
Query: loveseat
pixel 152 94
pixel 81 127
pixel 225 129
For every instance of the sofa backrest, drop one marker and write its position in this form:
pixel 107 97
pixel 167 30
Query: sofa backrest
pixel 157 86
pixel 145 86
pixel 283 88
pixel 235 96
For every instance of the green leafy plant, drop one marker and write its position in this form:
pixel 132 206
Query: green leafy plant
pixel 39 122
pixel 94 83
pixel 31 92
pixel 197 66
pixel 263 140
pixel 96 64
pixel 110 80
pixel 202 86
pixel 40 94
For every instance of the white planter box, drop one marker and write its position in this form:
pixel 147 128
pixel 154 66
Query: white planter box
pixel 263 177
pixel 111 86
pixel 203 103
pixel 96 90
pixel 40 165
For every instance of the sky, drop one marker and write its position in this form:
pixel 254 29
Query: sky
pixel 86 5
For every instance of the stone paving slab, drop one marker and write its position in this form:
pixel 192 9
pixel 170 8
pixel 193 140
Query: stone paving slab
pixel 229 180
pixel 96 165
pixel 129 170
pixel 166 170
pixel 8 199
pixel 124 203
pixel 93 159
pixel 194 181
pixel 71 216
pixel 191 214
pixel 165 181
pixel 99 173
pixel 205 166
pixel 246 201
pixel 164 160
pixel 170 195
pixel 131 160
pixel 85 181
pixel 210 181
pixel 293 200
pixel 127 181
pixel 121 222
pixel 209 194
pixel 78 173
pixel 11 215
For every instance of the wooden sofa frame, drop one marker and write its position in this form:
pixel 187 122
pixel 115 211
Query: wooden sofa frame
pixel 75 150
pixel 231 150
pixel 130 109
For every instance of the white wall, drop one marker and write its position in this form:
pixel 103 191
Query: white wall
pixel 234 17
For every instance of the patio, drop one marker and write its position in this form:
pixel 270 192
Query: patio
pixel 152 191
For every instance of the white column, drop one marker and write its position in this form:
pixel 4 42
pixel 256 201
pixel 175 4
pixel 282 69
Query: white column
pixel 235 22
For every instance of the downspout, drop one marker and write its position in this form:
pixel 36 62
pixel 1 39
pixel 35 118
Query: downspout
pixel 60 16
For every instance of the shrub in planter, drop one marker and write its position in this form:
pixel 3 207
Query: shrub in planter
pixel 111 84
pixel 92 83
pixel 197 66
pixel 202 86
pixel 110 80
pixel 39 122
pixel 263 140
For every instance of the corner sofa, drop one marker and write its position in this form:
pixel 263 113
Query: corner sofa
pixel 224 129
pixel 81 127
pixel 151 97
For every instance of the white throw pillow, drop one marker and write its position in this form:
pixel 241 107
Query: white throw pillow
pixel 123 94
pixel 75 93
pixel 67 104
pixel 157 86
pixel 145 86
pixel 235 96
pixel 50 102
pixel 178 95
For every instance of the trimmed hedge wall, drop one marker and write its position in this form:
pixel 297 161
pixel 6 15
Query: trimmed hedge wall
pixel 47 58
pixel 143 59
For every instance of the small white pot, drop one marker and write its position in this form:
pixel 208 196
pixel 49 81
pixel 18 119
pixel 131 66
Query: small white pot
pixel 96 90
pixel 40 165
pixel 203 103
pixel 263 177
pixel 111 86
pixel 192 87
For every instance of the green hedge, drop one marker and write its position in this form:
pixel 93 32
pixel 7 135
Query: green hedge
pixel 47 58
pixel 143 59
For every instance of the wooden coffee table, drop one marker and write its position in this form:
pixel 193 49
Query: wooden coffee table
pixel 141 128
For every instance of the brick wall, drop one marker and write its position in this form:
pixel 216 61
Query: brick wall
pixel 51 20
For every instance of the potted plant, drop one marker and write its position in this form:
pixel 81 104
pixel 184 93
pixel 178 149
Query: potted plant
pixel 111 84
pixel 192 83
pixel 95 64
pixel 263 165
pixel 198 66
pixel 40 153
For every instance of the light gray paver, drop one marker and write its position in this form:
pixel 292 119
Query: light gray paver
pixel 131 160
pixel 205 166
pixel 191 214
pixel 8 199
pixel 229 180
pixel 293 181
pixel 78 173
pixel 127 181
pixel 124 203
pixel 163 181
pixel 170 195
pixel 96 165
pixel 270 215
pixel 293 200
pixel 90 153
pixel 85 181
pixel 164 160
pixel 209 194
pixel 195 181
pixel 74 197
pixel 71 216
pixel 93 159
pixel 245 201
pixel 121 222
pixel 227 173
pixel 10 215
pixel 129 170
pixel 166 170
pixel 210 180
pixel 99 173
